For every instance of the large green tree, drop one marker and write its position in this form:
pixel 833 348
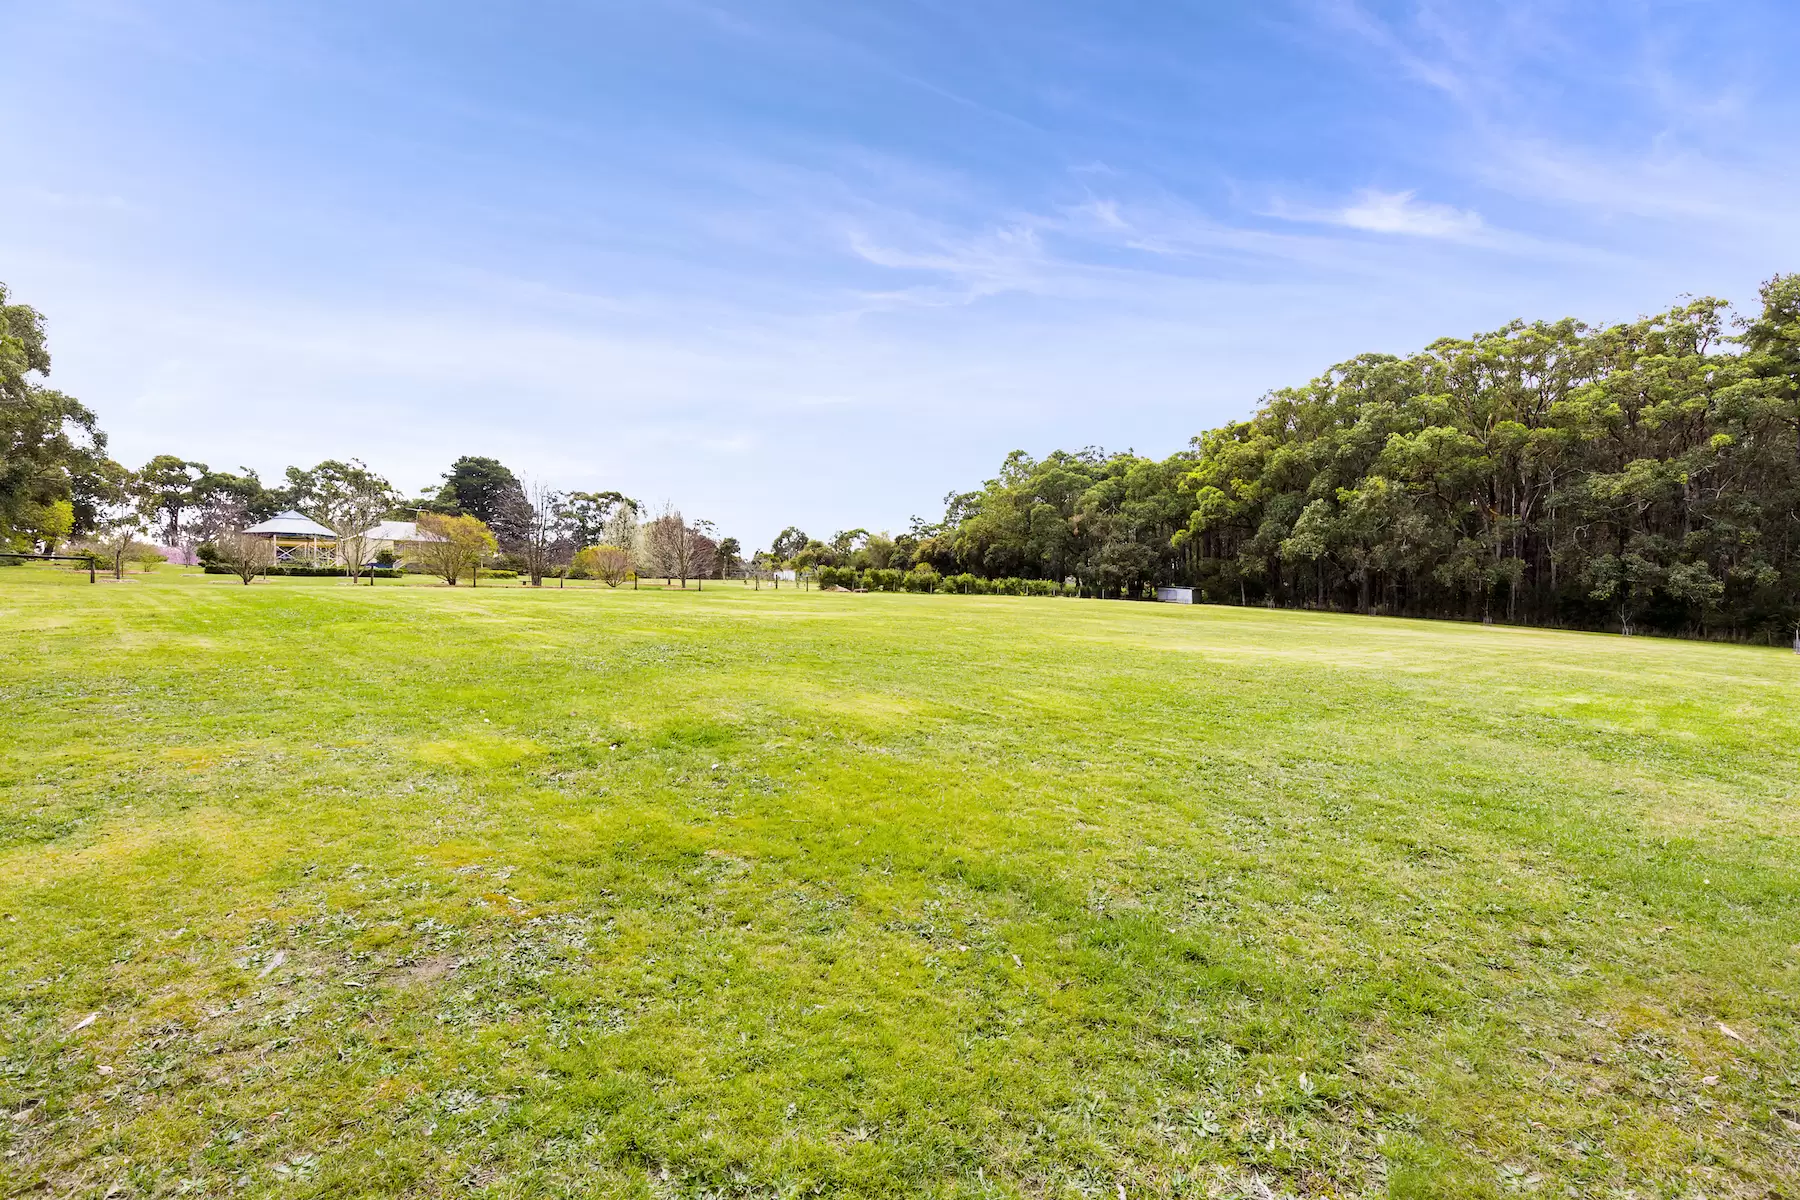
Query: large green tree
pixel 169 488
pixel 788 543
pixel 51 448
pixel 589 514
pixel 486 490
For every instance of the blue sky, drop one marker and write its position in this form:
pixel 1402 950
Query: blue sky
pixel 820 263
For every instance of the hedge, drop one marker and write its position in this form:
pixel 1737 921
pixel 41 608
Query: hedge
pixel 930 581
pixel 317 572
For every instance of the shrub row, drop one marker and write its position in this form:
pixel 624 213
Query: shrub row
pixel 413 568
pixel 928 580
pixel 873 580
pixel 329 572
pixel 319 572
pixel 974 585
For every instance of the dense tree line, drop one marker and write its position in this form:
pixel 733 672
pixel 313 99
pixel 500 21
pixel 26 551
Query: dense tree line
pixel 1635 476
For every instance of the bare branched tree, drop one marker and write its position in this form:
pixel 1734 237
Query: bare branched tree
pixel 681 549
pixel 611 565
pixel 701 552
pixel 676 550
pixel 661 544
pixel 116 530
pixel 243 554
pixel 543 529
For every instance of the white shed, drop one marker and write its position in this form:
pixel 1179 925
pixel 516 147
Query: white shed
pixel 1175 595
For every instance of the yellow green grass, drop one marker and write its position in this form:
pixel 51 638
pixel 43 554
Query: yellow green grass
pixel 412 890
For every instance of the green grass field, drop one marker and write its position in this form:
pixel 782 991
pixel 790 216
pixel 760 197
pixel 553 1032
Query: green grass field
pixel 414 890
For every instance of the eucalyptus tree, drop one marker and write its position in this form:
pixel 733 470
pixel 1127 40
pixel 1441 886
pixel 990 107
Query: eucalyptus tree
pixel 588 516
pixel 51 444
pixel 169 487
pixel 787 543
pixel 348 499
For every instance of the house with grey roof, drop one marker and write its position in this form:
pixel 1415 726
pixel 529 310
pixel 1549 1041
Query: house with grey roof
pixel 399 537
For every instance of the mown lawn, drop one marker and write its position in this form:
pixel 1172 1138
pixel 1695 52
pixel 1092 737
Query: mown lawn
pixel 410 890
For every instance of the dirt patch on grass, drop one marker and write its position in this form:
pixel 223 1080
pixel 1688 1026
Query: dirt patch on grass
pixel 429 969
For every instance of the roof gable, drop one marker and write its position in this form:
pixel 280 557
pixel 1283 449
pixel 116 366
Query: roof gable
pixel 291 524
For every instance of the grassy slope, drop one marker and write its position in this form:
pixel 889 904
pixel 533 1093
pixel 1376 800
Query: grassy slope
pixel 515 893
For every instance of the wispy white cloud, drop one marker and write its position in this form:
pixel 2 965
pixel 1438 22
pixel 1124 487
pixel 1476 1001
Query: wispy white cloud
pixel 1404 213
pixel 1005 258
pixel 1137 244
pixel 1432 66
pixel 1679 135
pixel 1663 182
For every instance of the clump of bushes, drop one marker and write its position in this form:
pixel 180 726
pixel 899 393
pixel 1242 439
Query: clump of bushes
pixel 609 564
pixel 922 578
